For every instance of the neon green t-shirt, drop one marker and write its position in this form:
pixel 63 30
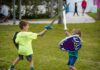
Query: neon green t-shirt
pixel 24 39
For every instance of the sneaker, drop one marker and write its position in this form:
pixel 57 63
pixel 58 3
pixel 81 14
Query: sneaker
pixel 11 69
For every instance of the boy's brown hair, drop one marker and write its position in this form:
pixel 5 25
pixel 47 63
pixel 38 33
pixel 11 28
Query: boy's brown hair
pixel 22 24
pixel 76 31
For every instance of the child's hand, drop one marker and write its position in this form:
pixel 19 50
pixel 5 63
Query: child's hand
pixel 63 49
pixel 48 27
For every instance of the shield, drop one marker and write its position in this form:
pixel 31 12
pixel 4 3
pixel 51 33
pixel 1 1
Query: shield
pixel 71 43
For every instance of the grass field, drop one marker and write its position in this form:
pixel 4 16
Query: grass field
pixel 47 55
pixel 94 15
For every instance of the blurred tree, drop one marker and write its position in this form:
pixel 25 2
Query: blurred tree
pixel 60 7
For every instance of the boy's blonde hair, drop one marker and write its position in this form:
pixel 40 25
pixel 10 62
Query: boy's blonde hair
pixel 76 31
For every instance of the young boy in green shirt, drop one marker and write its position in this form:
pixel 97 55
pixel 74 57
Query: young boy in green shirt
pixel 24 39
pixel 72 44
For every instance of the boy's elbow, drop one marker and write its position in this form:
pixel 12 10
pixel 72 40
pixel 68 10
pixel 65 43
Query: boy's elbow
pixel 42 33
pixel 39 34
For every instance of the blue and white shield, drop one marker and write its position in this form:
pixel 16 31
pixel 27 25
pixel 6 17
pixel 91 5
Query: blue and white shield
pixel 71 43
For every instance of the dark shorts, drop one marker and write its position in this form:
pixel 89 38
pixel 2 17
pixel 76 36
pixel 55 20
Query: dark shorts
pixel 1 15
pixel 75 11
pixel 29 57
pixel 72 60
pixel 84 8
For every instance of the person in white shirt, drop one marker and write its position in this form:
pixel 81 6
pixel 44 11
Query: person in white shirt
pixel 0 10
pixel 5 10
pixel 4 13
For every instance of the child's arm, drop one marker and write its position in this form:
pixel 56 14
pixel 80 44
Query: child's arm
pixel 42 32
pixel 67 33
pixel 45 30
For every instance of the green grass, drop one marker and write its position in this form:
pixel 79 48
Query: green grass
pixel 47 55
pixel 94 15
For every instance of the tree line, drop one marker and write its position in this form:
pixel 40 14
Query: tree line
pixel 31 7
pixel 50 10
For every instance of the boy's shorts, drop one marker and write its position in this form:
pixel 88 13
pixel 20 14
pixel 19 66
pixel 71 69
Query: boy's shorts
pixel 29 57
pixel 72 60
